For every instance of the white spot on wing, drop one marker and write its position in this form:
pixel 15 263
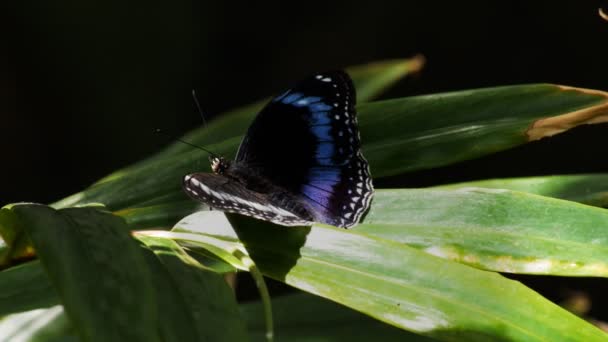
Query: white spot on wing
pixel 263 209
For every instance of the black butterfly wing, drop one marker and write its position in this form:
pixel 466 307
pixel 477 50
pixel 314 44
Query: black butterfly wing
pixel 307 142
pixel 228 195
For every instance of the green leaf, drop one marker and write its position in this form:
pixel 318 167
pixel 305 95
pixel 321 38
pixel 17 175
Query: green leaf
pixel 97 270
pixel 14 245
pixel 395 283
pixel 370 81
pixel 194 286
pixel 373 79
pixel 591 189
pixel 159 215
pixel 25 287
pixel 499 230
pixel 40 325
pixel 397 135
pixel 493 229
pixel 194 304
pixel 115 290
pixel 303 317
pixel 158 178
pixel 422 132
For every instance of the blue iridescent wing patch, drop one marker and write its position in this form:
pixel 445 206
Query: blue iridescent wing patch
pixel 302 154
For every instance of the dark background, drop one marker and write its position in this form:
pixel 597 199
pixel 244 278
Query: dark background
pixel 83 84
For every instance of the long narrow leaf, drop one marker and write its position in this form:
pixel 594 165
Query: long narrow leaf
pixel 370 81
pixel 194 304
pixel 304 317
pixel 428 131
pixel 590 189
pixel 398 284
pixel 97 270
pixel 160 176
pixel 398 136
pixel 25 287
pixel 498 230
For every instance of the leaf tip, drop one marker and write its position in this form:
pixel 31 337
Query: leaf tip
pixel 591 114
pixel 416 63
pixel 602 13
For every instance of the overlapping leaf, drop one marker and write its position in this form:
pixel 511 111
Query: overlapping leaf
pixel 39 325
pixel 303 317
pixel 158 179
pixel 79 248
pixel 25 287
pixel 112 288
pixel 590 189
pixel 393 282
pixel 498 230
pixel 398 135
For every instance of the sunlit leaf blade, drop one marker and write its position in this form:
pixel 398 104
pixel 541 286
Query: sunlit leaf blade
pixel 303 317
pixel 591 189
pixel 40 325
pixel 400 285
pixel 493 229
pixel 97 270
pixel 25 287
pixel 422 132
pixel 194 304
pixel 502 231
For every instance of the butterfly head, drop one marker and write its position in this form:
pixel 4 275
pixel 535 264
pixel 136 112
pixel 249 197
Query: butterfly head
pixel 219 165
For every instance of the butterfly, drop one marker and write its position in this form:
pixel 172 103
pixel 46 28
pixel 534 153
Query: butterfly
pixel 299 163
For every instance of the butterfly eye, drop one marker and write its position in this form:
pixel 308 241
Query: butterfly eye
pixel 218 164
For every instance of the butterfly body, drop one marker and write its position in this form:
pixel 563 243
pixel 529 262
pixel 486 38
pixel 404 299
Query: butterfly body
pixel 300 161
pixel 237 189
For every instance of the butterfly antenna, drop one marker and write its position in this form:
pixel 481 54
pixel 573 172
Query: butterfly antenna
pixel 158 130
pixel 198 106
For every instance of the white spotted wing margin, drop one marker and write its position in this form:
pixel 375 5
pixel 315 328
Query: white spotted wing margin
pixel 228 195
pixel 306 141
pixel 300 161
